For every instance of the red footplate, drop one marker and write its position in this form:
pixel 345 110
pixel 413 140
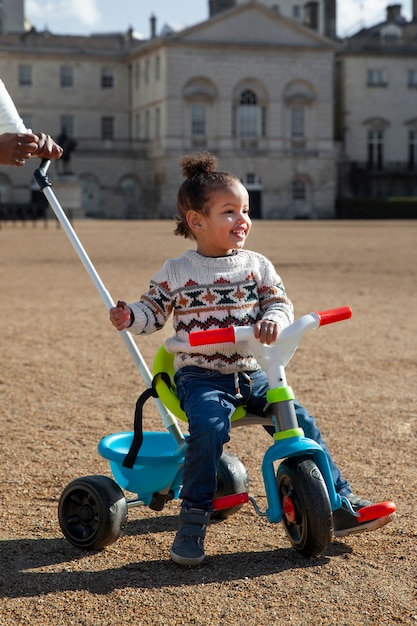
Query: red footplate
pixel 375 511
pixel 226 502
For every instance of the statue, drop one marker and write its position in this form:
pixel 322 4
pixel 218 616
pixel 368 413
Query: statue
pixel 68 144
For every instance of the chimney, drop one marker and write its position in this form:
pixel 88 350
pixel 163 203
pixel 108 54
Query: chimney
pixel 393 11
pixel 153 26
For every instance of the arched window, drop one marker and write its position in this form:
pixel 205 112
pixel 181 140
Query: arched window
pixel 249 119
pixel 298 189
pixel 200 96
pixel 248 115
pixel 299 98
pixel 375 149
pixel 375 141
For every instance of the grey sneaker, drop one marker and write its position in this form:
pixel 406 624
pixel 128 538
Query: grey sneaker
pixel 357 502
pixel 188 546
pixel 346 520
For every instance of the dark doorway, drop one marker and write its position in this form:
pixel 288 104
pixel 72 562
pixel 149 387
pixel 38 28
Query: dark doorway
pixel 255 204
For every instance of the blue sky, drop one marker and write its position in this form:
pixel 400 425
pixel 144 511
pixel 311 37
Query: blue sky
pixel 92 16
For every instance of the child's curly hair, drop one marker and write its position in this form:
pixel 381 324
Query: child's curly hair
pixel 202 179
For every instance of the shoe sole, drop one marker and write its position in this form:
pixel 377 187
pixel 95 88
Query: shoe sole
pixel 366 526
pixel 186 561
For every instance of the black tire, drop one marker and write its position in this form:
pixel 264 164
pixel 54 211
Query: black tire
pixel 92 512
pixel 232 478
pixel 307 512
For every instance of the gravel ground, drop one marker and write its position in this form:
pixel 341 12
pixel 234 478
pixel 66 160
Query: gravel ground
pixel 66 380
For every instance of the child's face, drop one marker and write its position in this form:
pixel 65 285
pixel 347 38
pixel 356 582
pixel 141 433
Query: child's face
pixel 227 225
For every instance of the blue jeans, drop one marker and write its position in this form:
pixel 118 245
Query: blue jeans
pixel 209 400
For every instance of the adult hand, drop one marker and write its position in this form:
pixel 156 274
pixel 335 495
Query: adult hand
pixel 15 148
pixel 47 147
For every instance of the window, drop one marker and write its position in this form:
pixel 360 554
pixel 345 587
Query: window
pixel 298 190
pixel 107 127
pixel 376 78
pixel 375 149
pixel 198 120
pixel 107 78
pixel 25 75
pixel 66 76
pixel 137 75
pixel 412 78
pixel 412 149
pixel 147 125
pixel 248 115
pixel 157 68
pixel 297 122
pixel 157 123
pixel 296 11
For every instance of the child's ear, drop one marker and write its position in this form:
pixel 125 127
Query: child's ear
pixel 194 220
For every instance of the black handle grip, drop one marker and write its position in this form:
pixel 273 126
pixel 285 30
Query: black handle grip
pixel 41 174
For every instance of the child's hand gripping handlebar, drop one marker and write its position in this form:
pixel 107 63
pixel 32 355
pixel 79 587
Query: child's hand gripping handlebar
pixel 286 344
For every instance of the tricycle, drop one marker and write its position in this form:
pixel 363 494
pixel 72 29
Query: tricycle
pixel 93 510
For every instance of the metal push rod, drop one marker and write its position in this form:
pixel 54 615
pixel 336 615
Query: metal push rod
pixel 41 178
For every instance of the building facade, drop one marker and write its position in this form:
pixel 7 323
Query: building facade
pixel 302 118
pixel 377 109
pixel 250 84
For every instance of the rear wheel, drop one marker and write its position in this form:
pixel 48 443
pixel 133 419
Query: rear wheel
pixel 305 501
pixel 92 512
pixel 232 478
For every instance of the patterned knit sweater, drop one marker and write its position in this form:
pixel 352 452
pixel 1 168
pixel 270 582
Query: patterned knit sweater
pixel 212 292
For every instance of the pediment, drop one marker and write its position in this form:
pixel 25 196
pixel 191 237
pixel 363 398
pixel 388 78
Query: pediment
pixel 252 24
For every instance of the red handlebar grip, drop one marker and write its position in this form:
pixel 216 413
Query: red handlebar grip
pixel 216 335
pixel 334 315
pixel 226 502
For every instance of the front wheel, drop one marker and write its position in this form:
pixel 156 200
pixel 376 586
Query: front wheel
pixel 92 512
pixel 305 502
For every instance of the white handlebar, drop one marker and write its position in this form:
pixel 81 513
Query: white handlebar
pixel 285 346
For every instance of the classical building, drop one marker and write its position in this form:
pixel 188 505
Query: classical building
pixel 250 84
pixel 254 83
pixel 255 88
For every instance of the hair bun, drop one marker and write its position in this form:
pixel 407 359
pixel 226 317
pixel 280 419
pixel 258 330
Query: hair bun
pixel 199 163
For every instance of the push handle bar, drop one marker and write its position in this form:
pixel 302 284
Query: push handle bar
pixel 41 177
pixel 240 333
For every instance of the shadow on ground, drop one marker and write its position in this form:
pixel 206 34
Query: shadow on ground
pixel 24 562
